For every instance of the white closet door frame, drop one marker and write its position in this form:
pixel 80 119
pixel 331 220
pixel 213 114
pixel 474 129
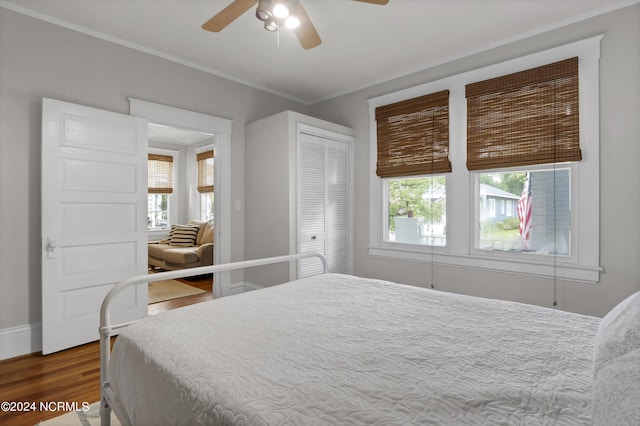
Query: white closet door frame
pixel 295 207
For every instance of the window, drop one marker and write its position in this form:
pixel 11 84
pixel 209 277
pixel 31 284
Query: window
pixel 157 211
pixel 541 222
pixel 206 206
pixel 528 127
pixel 413 140
pixel 416 211
pixel 529 118
pixel 160 188
pixel 205 162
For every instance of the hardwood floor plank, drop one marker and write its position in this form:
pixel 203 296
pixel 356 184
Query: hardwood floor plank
pixel 69 376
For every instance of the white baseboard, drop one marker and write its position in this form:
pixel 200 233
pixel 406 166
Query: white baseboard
pixel 242 287
pixel 22 340
pixel 27 339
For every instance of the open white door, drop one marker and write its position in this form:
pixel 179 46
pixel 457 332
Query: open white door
pixel 94 230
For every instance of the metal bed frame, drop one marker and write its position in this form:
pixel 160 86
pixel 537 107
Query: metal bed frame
pixel 108 401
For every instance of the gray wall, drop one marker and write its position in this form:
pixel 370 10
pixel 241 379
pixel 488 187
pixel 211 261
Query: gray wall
pixel 619 178
pixel 39 59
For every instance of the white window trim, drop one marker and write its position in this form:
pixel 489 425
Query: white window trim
pixel 583 266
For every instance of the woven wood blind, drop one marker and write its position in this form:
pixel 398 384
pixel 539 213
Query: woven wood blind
pixel 205 171
pixel 160 173
pixel 413 136
pixel 527 118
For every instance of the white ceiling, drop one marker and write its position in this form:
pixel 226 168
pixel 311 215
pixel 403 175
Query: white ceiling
pixel 362 44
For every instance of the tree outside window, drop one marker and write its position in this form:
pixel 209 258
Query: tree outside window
pixel 417 210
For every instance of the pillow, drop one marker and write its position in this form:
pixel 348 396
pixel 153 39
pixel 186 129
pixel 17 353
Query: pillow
pixel 618 333
pixel 168 239
pixel 206 236
pixel 616 392
pixel 202 225
pixel 184 235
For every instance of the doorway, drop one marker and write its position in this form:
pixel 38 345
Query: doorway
pixel 190 122
pixel 180 193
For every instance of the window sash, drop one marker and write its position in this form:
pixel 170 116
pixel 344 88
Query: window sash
pixel 525 118
pixel 413 136
pixel 160 174
pixel 543 212
pixel 432 229
pixel 153 211
pixel 205 171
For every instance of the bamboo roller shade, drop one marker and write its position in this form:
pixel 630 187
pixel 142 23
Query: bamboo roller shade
pixel 205 171
pixel 160 174
pixel 413 136
pixel 526 118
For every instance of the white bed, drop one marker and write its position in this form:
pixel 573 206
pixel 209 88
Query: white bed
pixel 337 349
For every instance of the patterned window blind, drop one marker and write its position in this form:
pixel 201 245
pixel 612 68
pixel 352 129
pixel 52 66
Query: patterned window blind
pixel 413 136
pixel 526 118
pixel 160 172
pixel 205 171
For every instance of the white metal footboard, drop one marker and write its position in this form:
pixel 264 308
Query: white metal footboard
pixel 108 401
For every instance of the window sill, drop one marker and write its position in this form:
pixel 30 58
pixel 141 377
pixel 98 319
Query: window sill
pixel 157 233
pixel 523 266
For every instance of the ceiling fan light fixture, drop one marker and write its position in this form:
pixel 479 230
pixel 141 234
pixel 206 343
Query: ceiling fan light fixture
pixel 263 11
pixel 292 22
pixel 280 10
pixel 271 24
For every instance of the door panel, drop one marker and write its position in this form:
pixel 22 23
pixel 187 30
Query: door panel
pixel 312 201
pixel 324 203
pixel 96 176
pixel 338 207
pixel 94 172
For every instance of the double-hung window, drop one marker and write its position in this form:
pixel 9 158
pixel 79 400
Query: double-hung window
pixel 205 161
pixel 517 187
pixel 523 135
pixel 160 188
pixel 412 159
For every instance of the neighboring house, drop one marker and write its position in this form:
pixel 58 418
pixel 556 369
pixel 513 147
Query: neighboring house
pixel 41 59
pixel 497 205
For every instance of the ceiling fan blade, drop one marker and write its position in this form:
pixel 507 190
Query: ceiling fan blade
pixel 228 15
pixel 380 2
pixel 306 32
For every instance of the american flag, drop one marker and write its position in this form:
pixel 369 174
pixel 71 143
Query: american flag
pixel 524 209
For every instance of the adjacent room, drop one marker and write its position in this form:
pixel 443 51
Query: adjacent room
pixel 448 188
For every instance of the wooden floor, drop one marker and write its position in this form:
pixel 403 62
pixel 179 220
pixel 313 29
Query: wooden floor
pixel 71 376
pixel 203 283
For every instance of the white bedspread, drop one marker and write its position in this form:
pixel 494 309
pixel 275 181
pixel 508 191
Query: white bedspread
pixel 337 349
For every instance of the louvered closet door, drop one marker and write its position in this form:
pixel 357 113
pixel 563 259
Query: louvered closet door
pixel 337 207
pixel 323 203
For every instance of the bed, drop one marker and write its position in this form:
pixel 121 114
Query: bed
pixel 340 349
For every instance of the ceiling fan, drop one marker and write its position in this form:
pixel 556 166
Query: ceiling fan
pixel 272 12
